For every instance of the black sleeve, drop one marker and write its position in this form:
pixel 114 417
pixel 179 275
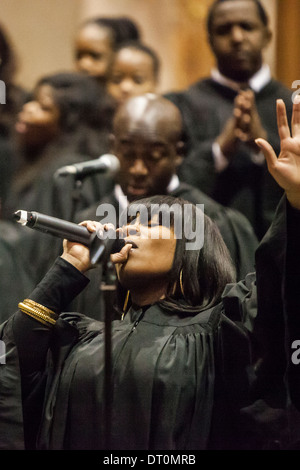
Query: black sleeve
pixel 292 304
pixel 269 416
pixel 57 289
pixel 292 276
pixel 33 340
pixel 277 323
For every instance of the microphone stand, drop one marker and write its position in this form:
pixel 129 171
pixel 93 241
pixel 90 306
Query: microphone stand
pixel 75 191
pixel 76 195
pixel 108 287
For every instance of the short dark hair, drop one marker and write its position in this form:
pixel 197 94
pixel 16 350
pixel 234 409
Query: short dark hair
pixel 261 12
pixel 121 28
pixel 199 275
pixel 139 46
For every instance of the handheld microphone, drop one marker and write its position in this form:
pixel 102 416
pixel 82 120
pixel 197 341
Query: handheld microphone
pixel 100 246
pixel 107 163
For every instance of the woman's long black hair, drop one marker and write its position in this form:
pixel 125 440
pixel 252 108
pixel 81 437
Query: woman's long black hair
pixel 86 111
pixel 79 99
pixel 198 276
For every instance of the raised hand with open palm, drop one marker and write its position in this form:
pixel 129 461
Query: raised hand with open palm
pixel 285 168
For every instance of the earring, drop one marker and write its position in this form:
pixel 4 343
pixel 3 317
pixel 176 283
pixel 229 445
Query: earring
pixel 125 304
pixel 181 283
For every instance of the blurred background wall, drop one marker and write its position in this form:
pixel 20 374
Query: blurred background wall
pixel 42 32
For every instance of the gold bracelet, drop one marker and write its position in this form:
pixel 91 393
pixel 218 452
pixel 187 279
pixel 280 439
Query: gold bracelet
pixel 46 310
pixel 38 312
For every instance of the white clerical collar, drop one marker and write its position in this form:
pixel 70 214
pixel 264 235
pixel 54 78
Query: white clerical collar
pixel 257 82
pixel 174 183
pixel 122 199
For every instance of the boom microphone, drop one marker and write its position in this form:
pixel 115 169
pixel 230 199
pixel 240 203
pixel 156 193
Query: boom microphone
pixel 99 247
pixel 107 163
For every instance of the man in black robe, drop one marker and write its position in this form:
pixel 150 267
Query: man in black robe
pixel 225 113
